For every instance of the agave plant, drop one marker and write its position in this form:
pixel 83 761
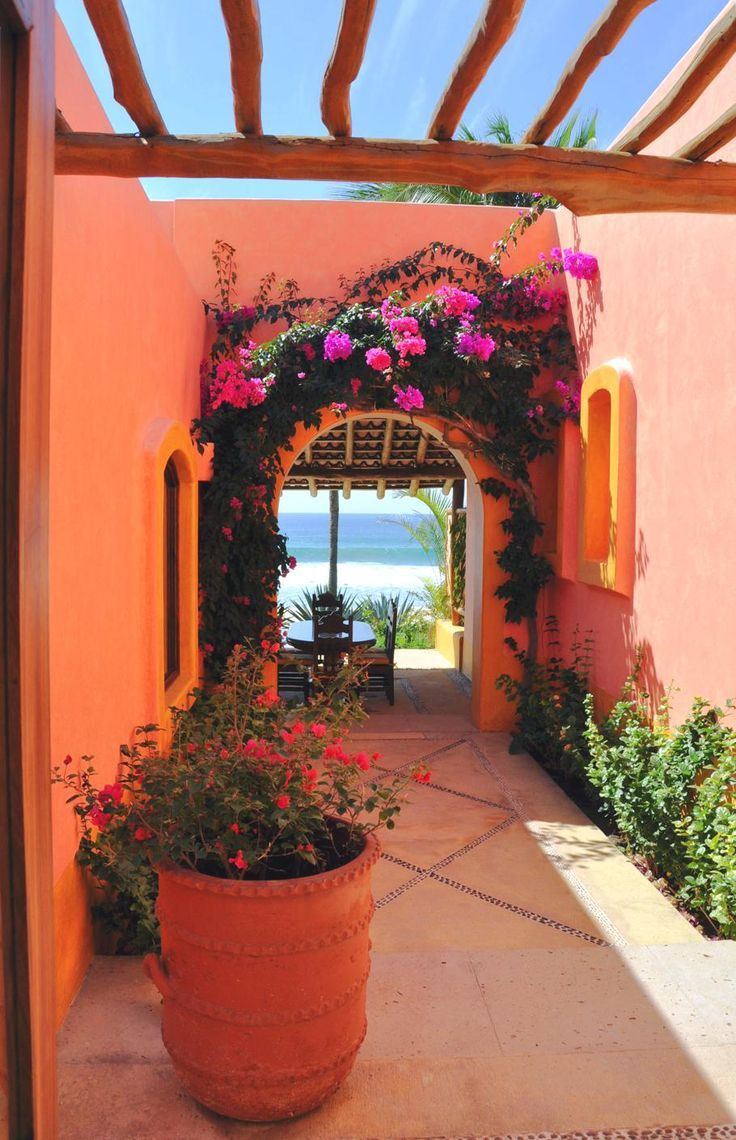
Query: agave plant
pixel 300 607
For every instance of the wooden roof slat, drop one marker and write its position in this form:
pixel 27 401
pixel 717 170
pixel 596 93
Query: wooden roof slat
pixel 493 28
pixel 347 56
pixel 713 54
pixel 588 182
pixel 243 24
pixel 711 139
pixel 129 84
pixel 387 442
pixel 349 442
pixel 359 473
pixel 422 449
pixel 312 485
pixel 62 126
pixel 600 41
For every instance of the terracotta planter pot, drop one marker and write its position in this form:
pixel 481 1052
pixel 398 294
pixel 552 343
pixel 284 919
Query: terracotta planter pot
pixel 264 985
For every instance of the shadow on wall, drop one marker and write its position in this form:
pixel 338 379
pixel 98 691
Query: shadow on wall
pixel 588 301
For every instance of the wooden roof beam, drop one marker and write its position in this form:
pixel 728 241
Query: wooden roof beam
pixel 711 139
pixel 388 438
pixel 380 488
pixel 422 449
pixel 349 442
pixel 346 484
pixel 243 24
pixel 359 474
pixel 712 55
pixel 600 41
pixel 129 84
pixel 588 182
pixel 312 485
pixel 62 126
pixel 492 30
pixel 342 70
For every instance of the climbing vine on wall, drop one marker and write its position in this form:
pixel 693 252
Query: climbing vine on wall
pixel 440 330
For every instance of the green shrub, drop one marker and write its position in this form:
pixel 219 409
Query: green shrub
pixel 672 794
pixel 550 704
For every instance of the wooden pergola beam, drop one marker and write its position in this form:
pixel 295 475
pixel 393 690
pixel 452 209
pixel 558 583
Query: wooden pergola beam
pixel 312 484
pixel 492 30
pixel 588 182
pixel 713 54
pixel 422 449
pixel 62 126
pixel 342 70
pixel 358 474
pixel 129 84
pixel 243 24
pixel 600 41
pixel 711 139
pixel 388 438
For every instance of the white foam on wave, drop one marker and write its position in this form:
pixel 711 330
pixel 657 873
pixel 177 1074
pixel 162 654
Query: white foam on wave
pixel 361 577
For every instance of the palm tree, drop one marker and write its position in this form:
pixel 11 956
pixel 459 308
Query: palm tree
pixel 430 531
pixel 498 129
pixel 334 520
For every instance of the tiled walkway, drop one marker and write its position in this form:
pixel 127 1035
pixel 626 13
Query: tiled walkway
pixel 526 980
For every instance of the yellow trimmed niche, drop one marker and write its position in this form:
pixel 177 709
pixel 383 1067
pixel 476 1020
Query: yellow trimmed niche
pixel 170 449
pixel 608 483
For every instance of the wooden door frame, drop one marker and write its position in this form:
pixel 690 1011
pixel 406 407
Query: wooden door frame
pixel 26 909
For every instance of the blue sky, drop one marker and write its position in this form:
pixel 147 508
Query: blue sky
pixel 412 49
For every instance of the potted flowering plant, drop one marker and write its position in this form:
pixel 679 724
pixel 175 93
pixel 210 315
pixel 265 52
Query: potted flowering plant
pixel 259 822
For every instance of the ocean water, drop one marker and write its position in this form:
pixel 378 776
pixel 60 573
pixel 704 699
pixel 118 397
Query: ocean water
pixel 375 555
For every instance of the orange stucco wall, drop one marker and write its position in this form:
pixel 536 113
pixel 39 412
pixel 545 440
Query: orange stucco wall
pixel 127 338
pixel 664 302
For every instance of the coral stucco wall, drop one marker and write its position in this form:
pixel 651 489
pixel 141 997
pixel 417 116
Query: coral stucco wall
pixel 127 338
pixel 665 303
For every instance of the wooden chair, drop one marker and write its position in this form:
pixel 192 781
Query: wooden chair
pixel 293 673
pixel 380 662
pixel 332 639
pixel 326 603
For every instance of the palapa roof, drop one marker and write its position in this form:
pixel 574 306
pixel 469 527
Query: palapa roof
pixel 588 182
pixel 375 453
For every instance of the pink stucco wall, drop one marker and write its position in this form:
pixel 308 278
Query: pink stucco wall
pixel 127 337
pixel 664 301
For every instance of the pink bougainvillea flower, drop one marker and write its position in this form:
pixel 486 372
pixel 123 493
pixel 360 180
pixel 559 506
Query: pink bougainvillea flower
pixel 318 729
pixel 404 325
pixel 421 777
pixel 362 760
pixel 228 532
pixel 208 647
pixel 378 358
pixel 309 351
pixel 291 560
pixel 408 399
pixel 584 266
pixel 355 384
pixel 239 861
pixel 297 727
pixel 470 343
pixel 283 802
pixel 236 503
pixel 99 818
pixel 111 793
pixel 67 759
pixel 411 346
pixel 235 827
pixel 141 834
pixel 456 301
pixel 338 345
pixel 338 407
pixel 300 376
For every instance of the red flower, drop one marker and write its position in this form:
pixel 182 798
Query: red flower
pixel 99 818
pixel 142 833
pixel 297 728
pixel 362 760
pixel 318 729
pixel 67 759
pixel 283 802
pixel 421 777
pixel 111 793
pixel 224 754
pixel 235 827
pixel 239 861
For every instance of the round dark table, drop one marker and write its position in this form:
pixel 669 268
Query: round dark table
pixel 299 634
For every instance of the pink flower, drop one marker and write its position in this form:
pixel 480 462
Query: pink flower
pixel 411 346
pixel 403 326
pixel 235 827
pixel 224 567
pixel 363 761
pixel 338 345
pixel 474 344
pixel 300 376
pixel 297 728
pixel 208 647
pixel 455 301
pixel 409 399
pixel 228 532
pixel 308 351
pixel 67 759
pixel 355 384
pixel 378 358
pixel 584 266
pixel 236 504
pixel 99 818
pixel 283 802
pixel 111 793
pixel 339 408
pixel 318 729
pixel 141 834
pixel 291 562
pixel 224 754
pixel 239 861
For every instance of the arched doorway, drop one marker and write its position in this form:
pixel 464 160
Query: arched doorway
pixel 485 655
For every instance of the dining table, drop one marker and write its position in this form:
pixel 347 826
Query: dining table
pixel 300 635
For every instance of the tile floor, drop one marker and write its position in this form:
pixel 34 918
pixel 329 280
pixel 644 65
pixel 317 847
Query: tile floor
pixel 526 980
